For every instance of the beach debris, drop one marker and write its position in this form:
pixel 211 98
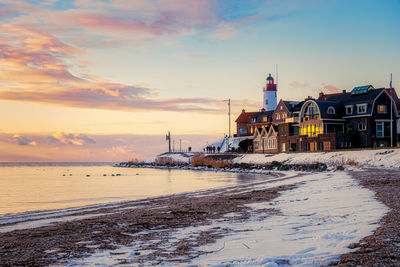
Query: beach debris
pixel 87 175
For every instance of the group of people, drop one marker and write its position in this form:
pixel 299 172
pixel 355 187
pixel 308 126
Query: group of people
pixel 211 149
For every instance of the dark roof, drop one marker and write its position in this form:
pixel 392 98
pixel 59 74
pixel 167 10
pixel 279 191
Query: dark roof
pixel 354 99
pixel 324 106
pixel 290 105
pixel 297 108
pixel 259 115
pixel 244 117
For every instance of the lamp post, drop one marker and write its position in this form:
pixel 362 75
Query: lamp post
pixel 229 120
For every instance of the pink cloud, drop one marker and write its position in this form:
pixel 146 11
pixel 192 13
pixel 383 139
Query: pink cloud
pixel 34 70
pixel 71 139
pixel 224 31
pixel 107 148
pixel 331 89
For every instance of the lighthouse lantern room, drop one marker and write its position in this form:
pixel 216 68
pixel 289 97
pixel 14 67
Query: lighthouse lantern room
pixel 269 94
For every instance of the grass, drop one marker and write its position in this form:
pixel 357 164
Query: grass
pixel 200 160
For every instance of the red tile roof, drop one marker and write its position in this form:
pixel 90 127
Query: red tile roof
pixel 325 96
pixel 244 117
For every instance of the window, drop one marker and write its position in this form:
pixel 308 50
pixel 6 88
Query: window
pixel 380 129
pixel 265 118
pixel 362 108
pixel 278 116
pixel 362 126
pixel 242 130
pixel 381 109
pixel 349 127
pixel 331 110
pixel 349 110
pixel 281 107
pixel 311 111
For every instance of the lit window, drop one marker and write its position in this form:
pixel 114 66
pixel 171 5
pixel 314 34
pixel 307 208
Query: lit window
pixel 362 108
pixel 362 126
pixel 381 109
pixel 331 110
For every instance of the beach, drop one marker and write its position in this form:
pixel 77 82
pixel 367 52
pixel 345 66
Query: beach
pixel 229 226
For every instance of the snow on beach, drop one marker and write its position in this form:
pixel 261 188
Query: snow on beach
pixel 387 158
pixel 316 223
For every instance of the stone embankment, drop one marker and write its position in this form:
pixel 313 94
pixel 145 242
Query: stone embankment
pixel 223 162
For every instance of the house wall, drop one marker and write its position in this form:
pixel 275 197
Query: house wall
pixel 244 125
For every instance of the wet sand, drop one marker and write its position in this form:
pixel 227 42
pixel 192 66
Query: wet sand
pixel 130 222
pixel 383 247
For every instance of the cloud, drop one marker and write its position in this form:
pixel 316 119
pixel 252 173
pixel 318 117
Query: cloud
pixel 33 69
pixel 299 85
pixel 331 89
pixel 224 31
pixel 108 148
pixel 23 140
pixel 71 139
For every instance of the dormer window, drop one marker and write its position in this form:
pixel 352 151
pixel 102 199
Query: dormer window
pixel 331 110
pixel 362 108
pixel 349 110
pixel 381 109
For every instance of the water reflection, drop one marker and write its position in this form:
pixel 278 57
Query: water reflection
pixel 30 188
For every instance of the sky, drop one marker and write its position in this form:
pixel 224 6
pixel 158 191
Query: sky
pixel 105 80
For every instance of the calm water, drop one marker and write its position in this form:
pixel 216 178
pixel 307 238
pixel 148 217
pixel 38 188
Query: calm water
pixel 31 187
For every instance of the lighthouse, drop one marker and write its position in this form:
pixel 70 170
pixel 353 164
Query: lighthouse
pixel 269 94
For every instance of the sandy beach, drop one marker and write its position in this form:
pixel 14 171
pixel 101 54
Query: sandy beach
pixel 140 232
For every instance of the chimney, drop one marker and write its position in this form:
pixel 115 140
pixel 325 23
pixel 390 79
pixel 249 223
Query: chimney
pixel 321 94
pixel 243 111
pixel 344 91
pixel 263 110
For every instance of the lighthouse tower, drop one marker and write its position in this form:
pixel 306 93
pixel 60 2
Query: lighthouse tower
pixel 269 94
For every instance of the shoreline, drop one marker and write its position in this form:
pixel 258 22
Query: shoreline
pixel 382 248
pixel 113 228
pixel 121 224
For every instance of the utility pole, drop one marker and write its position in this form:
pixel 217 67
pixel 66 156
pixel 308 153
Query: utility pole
pixel 168 138
pixel 173 145
pixel 180 145
pixel 229 115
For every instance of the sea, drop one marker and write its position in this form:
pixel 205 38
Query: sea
pixel 26 187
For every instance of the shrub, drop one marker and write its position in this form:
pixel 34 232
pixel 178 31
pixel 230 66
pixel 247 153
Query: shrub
pixel 200 160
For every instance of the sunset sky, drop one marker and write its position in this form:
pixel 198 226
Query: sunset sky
pixel 91 80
